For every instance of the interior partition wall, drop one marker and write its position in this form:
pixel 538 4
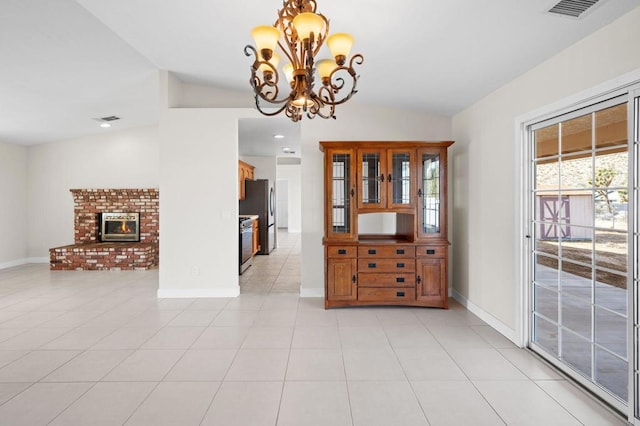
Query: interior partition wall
pixel 581 191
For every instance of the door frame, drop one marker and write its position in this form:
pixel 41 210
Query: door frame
pixel 628 84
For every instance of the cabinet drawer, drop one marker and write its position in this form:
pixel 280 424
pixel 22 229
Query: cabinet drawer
pixel 373 294
pixel 341 251
pixel 386 251
pixel 400 265
pixel 367 279
pixel 432 251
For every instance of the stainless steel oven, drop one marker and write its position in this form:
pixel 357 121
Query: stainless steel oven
pixel 246 243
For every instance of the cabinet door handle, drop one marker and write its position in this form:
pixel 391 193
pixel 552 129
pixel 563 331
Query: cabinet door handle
pixel 352 192
pixel 381 178
pixel 431 251
pixel 353 279
pixel 371 265
pixel 400 251
pixel 399 280
pixel 372 251
pixel 389 177
pixel 399 265
pixel 418 279
pixel 400 294
pixel 342 251
pixel 419 192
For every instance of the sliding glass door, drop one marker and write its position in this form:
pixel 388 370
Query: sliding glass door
pixel 581 241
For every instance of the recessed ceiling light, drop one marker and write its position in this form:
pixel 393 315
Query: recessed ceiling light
pixel 105 125
pixel 278 136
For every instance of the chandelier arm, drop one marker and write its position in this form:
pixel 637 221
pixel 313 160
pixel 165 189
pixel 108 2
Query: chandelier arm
pixel 269 114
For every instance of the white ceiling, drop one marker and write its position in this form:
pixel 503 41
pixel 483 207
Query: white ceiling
pixel 65 62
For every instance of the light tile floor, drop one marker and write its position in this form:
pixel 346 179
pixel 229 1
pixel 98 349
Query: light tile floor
pixel 98 348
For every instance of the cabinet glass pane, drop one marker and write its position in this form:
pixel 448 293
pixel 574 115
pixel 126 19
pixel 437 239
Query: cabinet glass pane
pixel 401 178
pixel 430 193
pixel 340 206
pixel 370 182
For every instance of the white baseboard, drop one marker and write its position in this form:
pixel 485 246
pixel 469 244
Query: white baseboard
pixel 38 260
pixel 11 264
pixel 492 321
pixel 311 292
pixel 197 293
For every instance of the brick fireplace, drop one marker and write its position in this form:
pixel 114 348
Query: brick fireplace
pixel 88 253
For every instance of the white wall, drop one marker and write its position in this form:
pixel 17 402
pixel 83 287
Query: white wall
pixel 199 202
pixel 354 122
pixel 265 167
pixel 13 205
pixel 486 167
pixel 292 173
pixel 115 159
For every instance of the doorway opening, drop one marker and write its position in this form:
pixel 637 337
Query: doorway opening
pixel 272 147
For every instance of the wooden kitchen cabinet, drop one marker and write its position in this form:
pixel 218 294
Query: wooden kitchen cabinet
pixel 256 236
pixel 245 172
pixel 407 266
pixel 386 179
pixel 342 270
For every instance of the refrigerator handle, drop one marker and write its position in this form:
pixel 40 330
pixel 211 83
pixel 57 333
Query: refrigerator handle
pixel 271 201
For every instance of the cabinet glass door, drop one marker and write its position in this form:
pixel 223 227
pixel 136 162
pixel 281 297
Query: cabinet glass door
pixel 372 177
pixel 341 192
pixel 430 194
pixel 399 178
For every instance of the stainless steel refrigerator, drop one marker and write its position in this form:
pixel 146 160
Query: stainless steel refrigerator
pixel 260 199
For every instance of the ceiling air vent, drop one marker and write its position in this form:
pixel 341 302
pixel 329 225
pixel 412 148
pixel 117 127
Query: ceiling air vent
pixel 573 8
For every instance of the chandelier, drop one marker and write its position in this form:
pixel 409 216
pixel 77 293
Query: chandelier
pixel 299 33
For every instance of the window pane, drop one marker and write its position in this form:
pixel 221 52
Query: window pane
pixel 545 334
pixel 340 198
pixel 576 351
pixel 401 178
pixel 546 144
pixel 611 331
pixel 576 135
pixel 546 302
pixel 431 193
pixel 576 280
pixel 576 315
pixel 611 126
pixel 370 192
pixel 547 175
pixel 611 372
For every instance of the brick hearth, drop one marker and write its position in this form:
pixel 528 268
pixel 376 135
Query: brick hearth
pixel 88 254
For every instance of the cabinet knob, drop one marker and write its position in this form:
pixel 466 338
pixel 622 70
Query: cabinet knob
pixel 419 192
pixel 381 178
pixel 353 279
pixel 352 192
pixel 418 279
pixel 389 177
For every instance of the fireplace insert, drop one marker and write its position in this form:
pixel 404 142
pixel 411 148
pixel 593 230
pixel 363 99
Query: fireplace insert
pixel 115 227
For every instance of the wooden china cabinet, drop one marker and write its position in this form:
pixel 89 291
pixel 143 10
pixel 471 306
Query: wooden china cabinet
pixel 385 216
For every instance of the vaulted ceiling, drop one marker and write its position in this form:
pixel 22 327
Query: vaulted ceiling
pixel 65 62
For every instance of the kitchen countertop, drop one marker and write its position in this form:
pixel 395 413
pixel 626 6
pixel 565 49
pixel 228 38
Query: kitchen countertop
pixel 249 216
